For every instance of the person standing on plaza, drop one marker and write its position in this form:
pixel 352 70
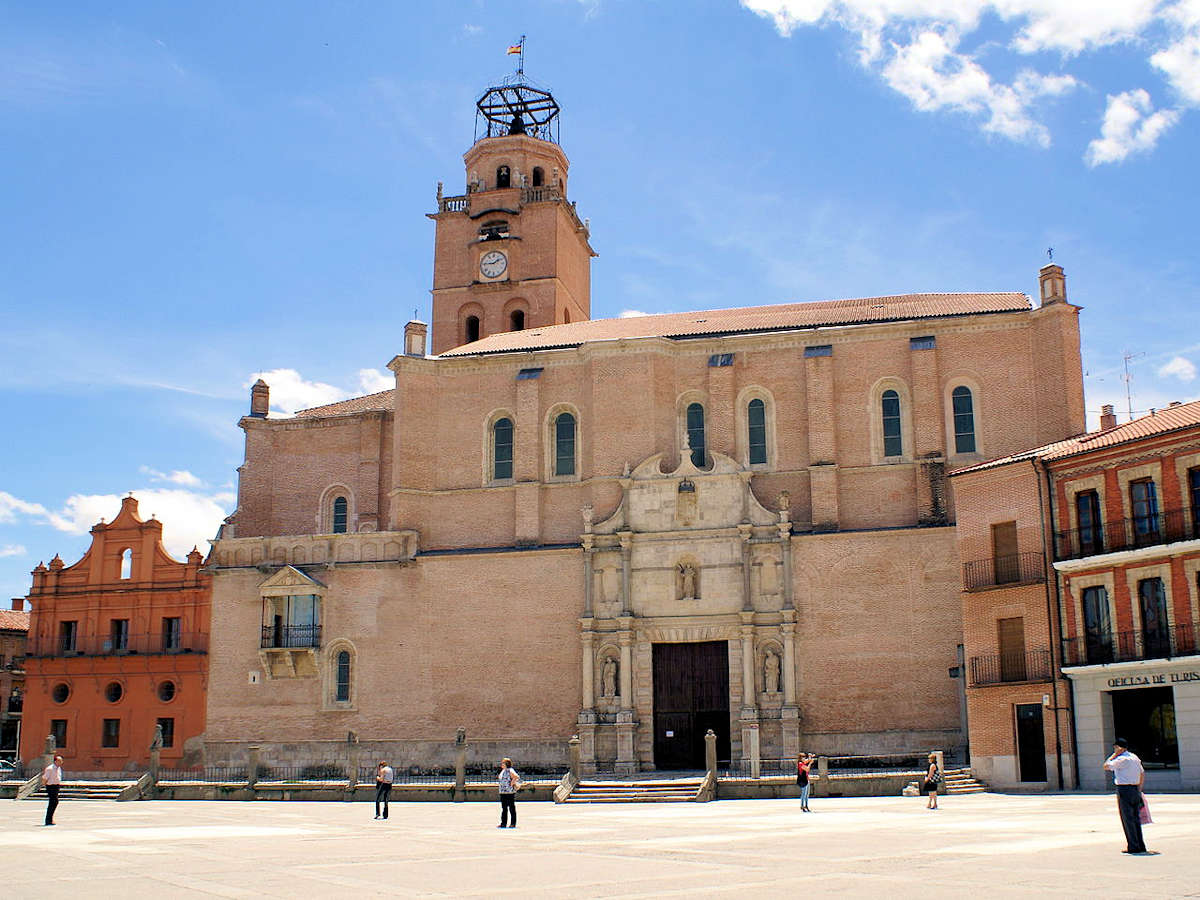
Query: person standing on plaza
pixel 384 776
pixel 510 783
pixel 52 779
pixel 933 777
pixel 804 766
pixel 1128 776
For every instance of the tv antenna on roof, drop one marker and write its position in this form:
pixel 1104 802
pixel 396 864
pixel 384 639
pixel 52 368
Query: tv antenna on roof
pixel 1050 253
pixel 1128 378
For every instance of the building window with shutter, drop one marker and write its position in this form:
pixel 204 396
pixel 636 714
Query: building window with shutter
pixel 893 443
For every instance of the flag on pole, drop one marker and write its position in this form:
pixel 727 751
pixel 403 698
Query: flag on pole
pixel 514 48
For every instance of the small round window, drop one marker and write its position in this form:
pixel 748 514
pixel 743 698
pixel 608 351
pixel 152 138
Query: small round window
pixel 166 691
pixel 60 693
pixel 113 692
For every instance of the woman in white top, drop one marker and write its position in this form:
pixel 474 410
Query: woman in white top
pixel 510 783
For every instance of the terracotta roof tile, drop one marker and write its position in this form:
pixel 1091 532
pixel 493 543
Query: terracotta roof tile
pixel 381 400
pixel 12 620
pixel 1161 421
pixel 779 317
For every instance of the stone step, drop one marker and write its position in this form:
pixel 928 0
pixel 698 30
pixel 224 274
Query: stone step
pixel 673 791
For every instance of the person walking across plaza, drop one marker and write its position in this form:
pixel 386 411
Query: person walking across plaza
pixel 1128 776
pixel 804 766
pixel 384 776
pixel 510 783
pixel 52 779
pixel 933 777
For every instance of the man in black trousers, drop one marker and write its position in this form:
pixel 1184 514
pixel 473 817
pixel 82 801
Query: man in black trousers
pixel 1128 775
pixel 52 779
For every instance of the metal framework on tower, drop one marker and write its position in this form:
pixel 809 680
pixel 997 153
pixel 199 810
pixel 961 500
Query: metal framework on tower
pixel 517 106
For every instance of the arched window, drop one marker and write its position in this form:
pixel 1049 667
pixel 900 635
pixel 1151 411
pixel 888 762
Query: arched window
pixel 756 422
pixel 126 564
pixel 539 177
pixel 472 329
pixel 964 420
pixel 340 510
pixel 564 444
pixel 516 320
pixel 893 444
pixel 502 449
pixel 341 691
pixel 695 433
pixel 503 177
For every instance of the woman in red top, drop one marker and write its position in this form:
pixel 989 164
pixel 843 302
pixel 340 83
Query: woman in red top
pixel 803 764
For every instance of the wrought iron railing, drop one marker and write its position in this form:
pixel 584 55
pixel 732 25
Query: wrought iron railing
pixel 128 645
pixel 1001 668
pixel 1127 646
pixel 291 636
pixel 1127 534
pixel 998 570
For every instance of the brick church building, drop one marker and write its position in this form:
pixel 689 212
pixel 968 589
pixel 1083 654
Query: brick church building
pixel 632 530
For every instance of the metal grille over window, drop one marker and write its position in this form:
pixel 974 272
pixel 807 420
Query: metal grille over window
pixel 819 350
pixel 922 343
pixel 718 360
pixel 564 444
pixel 756 420
pixel 893 444
pixel 695 433
pixel 502 449
pixel 964 420
pixel 342 691
pixel 528 374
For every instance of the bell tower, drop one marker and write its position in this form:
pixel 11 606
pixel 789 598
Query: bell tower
pixel 510 253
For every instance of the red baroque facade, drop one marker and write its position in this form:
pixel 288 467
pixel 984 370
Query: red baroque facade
pixel 1081 597
pixel 118 644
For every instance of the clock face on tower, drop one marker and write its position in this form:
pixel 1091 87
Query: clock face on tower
pixel 493 264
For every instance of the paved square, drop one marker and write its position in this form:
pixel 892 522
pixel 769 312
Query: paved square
pixel 974 846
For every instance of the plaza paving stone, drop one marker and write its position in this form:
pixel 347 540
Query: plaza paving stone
pixel 985 845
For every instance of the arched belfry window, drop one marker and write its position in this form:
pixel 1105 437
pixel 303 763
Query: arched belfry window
pixel 341 509
pixel 564 444
pixel 893 443
pixel 756 428
pixel 539 176
pixel 341 690
pixel 471 333
pixel 502 449
pixel 695 433
pixel 126 564
pixel 503 177
pixel 516 320
pixel 964 420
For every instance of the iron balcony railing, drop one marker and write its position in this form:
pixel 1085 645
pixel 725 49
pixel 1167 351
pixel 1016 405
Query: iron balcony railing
pixel 1127 646
pixel 1004 668
pixel 997 570
pixel 1131 533
pixel 107 645
pixel 277 636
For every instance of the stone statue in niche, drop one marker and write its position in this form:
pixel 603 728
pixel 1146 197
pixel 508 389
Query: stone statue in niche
pixel 608 677
pixel 687 581
pixel 771 673
pixel 586 512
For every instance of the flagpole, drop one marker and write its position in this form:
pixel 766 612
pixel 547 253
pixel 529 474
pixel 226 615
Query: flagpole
pixel 521 58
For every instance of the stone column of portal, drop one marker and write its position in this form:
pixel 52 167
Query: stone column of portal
pixel 589 574
pixel 626 553
pixel 785 546
pixel 626 761
pixel 746 532
pixel 587 714
pixel 749 714
pixel 789 715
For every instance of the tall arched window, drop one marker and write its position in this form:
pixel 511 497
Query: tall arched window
pixel 340 515
pixel 893 444
pixel 126 564
pixel 695 433
pixel 539 177
pixel 756 422
pixel 564 444
pixel 516 320
pixel 472 329
pixel 341 692
pixel 502 449
pixel 503 177
pixel 964 420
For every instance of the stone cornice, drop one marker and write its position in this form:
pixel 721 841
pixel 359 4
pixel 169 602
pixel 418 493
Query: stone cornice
pixel 1141 555
pixel 249 423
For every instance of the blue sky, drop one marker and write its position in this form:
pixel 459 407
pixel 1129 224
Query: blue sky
pixel 195 193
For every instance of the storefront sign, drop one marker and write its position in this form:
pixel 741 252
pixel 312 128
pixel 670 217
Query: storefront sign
pixel 1167 678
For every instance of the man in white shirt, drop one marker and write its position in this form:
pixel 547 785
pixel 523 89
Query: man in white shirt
pixel 1128 775
pixel 52 779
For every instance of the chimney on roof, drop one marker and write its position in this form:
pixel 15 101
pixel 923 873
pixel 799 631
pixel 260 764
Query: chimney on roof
pixel 414 338
pixel 1108 418
pixel 1052 284
pixel 260 399
pixel 1175 403
pixel 18 604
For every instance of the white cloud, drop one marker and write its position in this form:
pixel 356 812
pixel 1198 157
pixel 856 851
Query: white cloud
pixel 11 506
pixel 291 392
pixel 1178 367
pixel 920 48
pixel 178 476
pixel 372 381
pixel 632 313
pixel 12 550
pixel 1131 125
